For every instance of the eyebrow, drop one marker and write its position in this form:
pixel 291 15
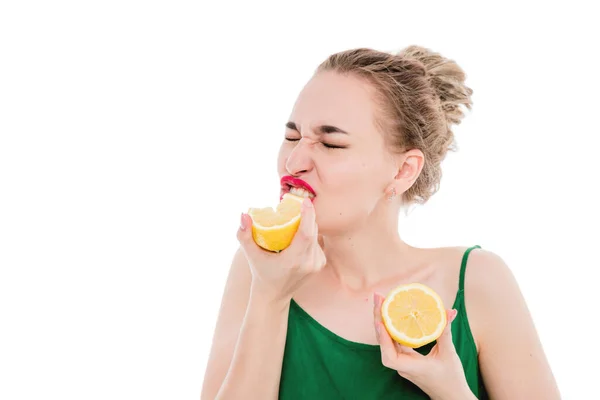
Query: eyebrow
pixel 321 130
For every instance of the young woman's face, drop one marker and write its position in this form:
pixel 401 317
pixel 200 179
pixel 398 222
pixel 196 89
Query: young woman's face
pixel 333 148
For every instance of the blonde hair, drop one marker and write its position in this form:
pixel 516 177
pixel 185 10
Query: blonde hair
pixel 420 94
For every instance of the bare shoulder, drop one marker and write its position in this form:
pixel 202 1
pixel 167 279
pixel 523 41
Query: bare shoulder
pixel 511 357
pixel 486 267
pixel 488 277
pixel 490 288
pixel 233 306
pixel 447 261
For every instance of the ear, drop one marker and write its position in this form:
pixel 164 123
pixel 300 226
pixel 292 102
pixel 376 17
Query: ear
pixel 410 167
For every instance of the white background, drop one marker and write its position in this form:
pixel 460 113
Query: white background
pixel 132 135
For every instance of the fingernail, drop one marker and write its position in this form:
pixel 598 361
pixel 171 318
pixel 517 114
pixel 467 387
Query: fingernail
pixel 307 203
pixel 242 223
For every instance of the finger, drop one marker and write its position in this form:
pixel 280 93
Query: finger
pixel 389 355
pixel 407 350
pixel 445 340
pixel 377 303
pixel 319 259
pixel 308 222
pixel 403 349
pixel 313 260
pixel 307 230
pixel 378 320
pixel 244 235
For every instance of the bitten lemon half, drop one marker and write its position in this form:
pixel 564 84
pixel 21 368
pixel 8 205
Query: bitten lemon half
pixel 413 315
pixel 274 230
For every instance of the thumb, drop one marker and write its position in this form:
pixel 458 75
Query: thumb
pixel 377 303
pixel 445 340
pixel 307 230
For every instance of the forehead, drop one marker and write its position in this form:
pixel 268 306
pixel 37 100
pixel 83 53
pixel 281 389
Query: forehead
pixel 334 99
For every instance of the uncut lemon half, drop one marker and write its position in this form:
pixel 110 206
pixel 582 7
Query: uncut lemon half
pixel 274 230
pixel 414 315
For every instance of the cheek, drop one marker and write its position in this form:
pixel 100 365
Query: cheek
pixel 352 190
pixel 353 178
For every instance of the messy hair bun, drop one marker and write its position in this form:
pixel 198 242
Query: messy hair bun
pixel 421 94
pixel 447 80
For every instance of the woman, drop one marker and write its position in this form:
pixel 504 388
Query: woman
pixel 365 138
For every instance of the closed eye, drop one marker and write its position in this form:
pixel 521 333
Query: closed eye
pixel 332 146
pixel 326 145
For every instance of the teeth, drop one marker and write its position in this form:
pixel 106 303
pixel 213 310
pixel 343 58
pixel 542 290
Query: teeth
pixel 301 192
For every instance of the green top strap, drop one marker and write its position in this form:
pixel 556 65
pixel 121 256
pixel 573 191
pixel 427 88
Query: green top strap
pixel 463 267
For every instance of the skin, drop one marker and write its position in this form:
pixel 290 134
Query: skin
pixel 348 250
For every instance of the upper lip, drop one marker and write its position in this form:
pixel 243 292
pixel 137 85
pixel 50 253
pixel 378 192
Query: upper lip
pixel 290 181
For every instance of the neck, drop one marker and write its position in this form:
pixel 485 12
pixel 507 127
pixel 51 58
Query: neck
pixel 369 254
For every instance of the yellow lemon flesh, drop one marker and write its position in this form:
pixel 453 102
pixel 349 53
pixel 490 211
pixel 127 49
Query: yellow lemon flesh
pixel 414 315
pixel 274 230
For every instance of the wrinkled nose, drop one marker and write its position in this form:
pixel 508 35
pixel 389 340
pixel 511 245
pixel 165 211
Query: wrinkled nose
pixel 300 159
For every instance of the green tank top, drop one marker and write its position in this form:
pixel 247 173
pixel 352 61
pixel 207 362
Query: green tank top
pixel 318 364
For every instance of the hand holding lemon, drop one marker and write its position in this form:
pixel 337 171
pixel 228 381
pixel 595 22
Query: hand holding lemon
pixel 281 246
pixel 412 316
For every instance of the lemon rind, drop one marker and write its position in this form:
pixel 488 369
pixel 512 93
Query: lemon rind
pixel 401 337
pixel 274 227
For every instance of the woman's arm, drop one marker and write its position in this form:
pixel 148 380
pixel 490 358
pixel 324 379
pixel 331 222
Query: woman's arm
pixel 511 357
pixel 249 339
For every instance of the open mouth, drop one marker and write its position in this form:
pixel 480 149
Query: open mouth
pixel 296 187
pixel 301 192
